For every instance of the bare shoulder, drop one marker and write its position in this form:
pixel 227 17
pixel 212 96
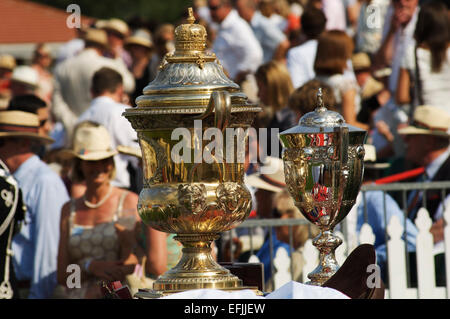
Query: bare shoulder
pixel 130 203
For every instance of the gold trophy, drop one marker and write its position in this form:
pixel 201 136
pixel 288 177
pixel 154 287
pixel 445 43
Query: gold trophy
pixel 183 193
pixel 323 159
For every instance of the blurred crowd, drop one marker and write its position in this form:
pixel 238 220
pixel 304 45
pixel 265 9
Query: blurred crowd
pixel 384 65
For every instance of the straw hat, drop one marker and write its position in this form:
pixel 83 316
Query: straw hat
pixel 7 62
pixel 370 158
pixel 21 124
pixel 429 120
pixel 96 36
pixel 25 74
pixel 360 61
pixel 272 181
pixel 91 144
pixel 116 25
pixel 140 37
pixel 129 150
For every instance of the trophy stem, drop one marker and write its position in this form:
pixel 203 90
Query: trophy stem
pixel 197 268
pixel 326 243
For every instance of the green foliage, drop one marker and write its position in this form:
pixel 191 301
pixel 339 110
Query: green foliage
pixel 155 11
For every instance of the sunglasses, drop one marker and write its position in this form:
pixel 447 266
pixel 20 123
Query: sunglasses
pixel 214 8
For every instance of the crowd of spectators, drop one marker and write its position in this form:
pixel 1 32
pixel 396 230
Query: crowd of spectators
pixel 383 64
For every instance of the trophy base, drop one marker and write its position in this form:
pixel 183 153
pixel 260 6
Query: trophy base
pixel 196 269
pixel 326 243
pixel 155 294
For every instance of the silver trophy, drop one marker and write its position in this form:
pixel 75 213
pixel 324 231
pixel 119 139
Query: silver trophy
pixel 323 159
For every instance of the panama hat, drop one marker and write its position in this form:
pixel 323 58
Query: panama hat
pixel 7 62
pixel 21 124
pixel 273 180
pixel 429 120
pixel 140 37
pixel 25 74
pixel 129 150
pixel 370 158
pixel 96 36
pixel 91 144
pixel 360 61
pixel 116 25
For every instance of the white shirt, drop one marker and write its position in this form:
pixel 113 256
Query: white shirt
pixel 300 62
pixel 108 113
pixel 435 85
pixel 334 10
pixel 236 46
pixel 268 35
pixel 73 78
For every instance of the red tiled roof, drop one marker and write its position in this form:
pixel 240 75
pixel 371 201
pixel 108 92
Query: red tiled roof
pixel 24 22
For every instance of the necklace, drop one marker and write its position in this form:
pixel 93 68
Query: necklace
pixel 101 202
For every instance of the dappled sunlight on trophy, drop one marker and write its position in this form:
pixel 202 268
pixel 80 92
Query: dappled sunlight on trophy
pixel 323 159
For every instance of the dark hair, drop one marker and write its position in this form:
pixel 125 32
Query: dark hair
pixel 433 30
pixel 105 80
pixel 27 103
pixel 313 22
pixel 334 48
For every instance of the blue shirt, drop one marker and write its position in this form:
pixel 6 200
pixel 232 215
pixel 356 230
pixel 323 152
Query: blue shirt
pixel 263 253
pixel 375 218
pixel 36 246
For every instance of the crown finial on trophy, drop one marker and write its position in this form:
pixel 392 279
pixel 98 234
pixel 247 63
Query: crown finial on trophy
pixel 190 38
pixel 191 18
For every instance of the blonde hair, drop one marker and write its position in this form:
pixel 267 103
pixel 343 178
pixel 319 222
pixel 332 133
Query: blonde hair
pixel 277 79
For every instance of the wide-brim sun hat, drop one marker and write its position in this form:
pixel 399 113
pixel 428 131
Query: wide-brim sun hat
pixel 116 25
pixel 270 177
pixel 140 37
pixel 21 124
pixel 25 74
pixel 7 61
pixel 360 61
pixel 91 144
pixel 129 150
pixel 429 120
pixel 97 36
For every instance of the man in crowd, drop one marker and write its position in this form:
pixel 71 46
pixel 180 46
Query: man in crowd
pixel 106 109
pixel 397 36
pixel 427 145
pixel 235 45
pixel 428 140
pixel 35 247
pixel 73 77
pixel 273 41
pixel 300 59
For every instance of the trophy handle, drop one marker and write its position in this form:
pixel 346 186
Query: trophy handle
pixel 220 104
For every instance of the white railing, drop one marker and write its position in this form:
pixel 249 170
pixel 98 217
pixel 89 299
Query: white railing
pixel 396 256
pixel 397 259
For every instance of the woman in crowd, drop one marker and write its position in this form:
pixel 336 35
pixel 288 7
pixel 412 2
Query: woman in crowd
pixel 97 228
pixel 333 52
pixel 426 66
pixel 274 88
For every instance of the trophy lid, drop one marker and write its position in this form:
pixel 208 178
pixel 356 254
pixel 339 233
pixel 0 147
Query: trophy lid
pixel 188 76
pixel 321 120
